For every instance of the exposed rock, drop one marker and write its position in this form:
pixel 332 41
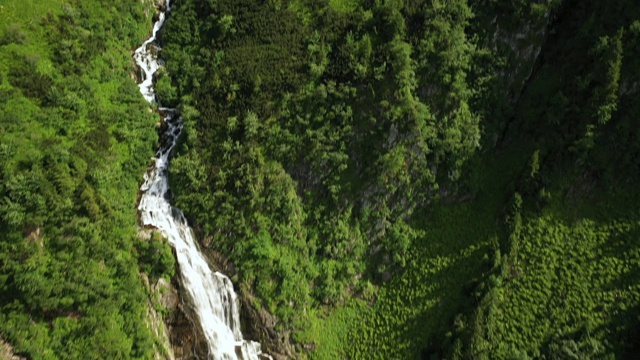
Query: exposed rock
pixel 518 43
pixel 6 352
pixel 259 325
pixel 521 48
pixel 34 233
pixel 145 233
pixel 167 317
pixel 155 321
pixel 158 5
pixel 186 337
pixel 628 87
pixel 170 319
pixel 161 332
pixel 168 296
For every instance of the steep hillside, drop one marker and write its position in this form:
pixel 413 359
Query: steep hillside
pixel 383 179
pixel 401 179
pixel 75 138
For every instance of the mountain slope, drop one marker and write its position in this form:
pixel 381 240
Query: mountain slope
pixel 76 136
pixel 396 179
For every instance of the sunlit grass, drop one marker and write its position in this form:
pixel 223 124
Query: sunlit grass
pixel 420 303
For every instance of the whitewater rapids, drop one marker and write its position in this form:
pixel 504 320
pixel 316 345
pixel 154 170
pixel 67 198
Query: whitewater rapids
pixel 210 294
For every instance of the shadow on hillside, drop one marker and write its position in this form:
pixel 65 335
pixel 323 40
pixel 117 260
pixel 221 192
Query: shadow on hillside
pixel 624 323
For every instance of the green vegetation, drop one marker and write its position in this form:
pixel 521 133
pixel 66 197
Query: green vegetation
pixel 75 138
pixel 418 179
pixel 393 179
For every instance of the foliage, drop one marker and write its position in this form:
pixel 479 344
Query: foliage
pixel 284 149
pixel 76 136
pixel 156 257
pixel 332 151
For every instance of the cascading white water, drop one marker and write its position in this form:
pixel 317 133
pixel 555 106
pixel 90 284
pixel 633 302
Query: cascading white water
pixel 210 293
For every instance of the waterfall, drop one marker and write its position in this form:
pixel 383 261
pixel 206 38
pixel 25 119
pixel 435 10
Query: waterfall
pixel 210 293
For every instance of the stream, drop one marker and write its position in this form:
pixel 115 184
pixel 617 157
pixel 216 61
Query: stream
pixel 209 294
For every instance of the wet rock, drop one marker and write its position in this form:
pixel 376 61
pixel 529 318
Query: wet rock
pixel 161 5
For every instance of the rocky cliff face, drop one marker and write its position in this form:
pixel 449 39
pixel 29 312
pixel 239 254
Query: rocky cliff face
pixel 519 48
pixel 257 323
pixel 179 337
pixel 512 39
pixel 186 338
pixel 169 318
pixel 155 7
pixel 158 303
pixel 260 324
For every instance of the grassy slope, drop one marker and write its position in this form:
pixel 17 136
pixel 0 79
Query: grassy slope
pixel 572 283
pixel 414 312
pixel 577 267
